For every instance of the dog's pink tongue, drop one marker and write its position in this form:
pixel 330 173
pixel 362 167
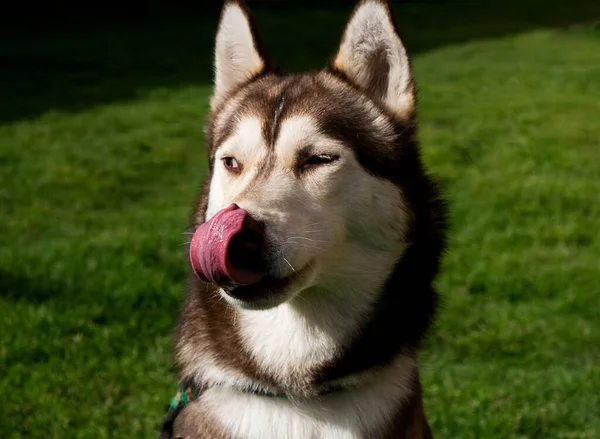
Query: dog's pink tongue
pixel 209 249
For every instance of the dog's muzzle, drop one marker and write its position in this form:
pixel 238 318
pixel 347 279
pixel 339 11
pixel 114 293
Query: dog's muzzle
pixel 228 250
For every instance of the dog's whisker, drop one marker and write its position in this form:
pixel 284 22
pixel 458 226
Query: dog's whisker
pixel 312 224
pixel 302 244
pixel 310 305
pixel 309 246
pixel 311 229
pixel 308 239
pixel 291 266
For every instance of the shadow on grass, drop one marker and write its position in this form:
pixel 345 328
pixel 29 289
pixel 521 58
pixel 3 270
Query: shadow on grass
pixel 15 287
pixel 79 66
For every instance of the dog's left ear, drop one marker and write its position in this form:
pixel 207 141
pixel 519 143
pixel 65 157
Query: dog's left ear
pixel 372 56
pixel 238 56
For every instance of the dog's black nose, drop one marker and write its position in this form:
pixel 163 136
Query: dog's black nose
pixel 247 248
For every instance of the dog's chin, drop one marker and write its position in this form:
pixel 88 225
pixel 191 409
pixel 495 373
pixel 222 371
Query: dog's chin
pixel 270 291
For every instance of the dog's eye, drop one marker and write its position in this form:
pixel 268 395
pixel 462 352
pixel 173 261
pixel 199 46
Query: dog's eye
pixel 231 164
pixel 321 159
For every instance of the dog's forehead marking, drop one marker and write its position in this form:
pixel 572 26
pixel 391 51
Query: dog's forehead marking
pixel 296 131
pixel 279 132
pixel 276 116
pixel 272 99
pixel 298 111
pixel 247 141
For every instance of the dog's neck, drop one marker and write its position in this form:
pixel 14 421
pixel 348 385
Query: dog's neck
pixel 316 326
pixel 287 344
pixel 324 337
pixel 305 332
pixel 383 403
pixel 291 344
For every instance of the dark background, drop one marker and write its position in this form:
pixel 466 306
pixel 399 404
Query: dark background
pixel 50 56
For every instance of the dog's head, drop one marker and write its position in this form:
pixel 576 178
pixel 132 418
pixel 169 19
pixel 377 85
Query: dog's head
pixel 310 174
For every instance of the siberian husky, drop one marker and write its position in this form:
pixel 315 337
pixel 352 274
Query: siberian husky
pixel 315 244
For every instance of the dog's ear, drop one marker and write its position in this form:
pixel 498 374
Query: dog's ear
pixel 372 56
pixel 238 56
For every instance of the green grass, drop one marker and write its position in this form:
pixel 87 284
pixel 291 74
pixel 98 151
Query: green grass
pixel 101 152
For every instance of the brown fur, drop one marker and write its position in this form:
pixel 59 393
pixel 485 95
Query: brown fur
pixel 207 325
pixel 409 422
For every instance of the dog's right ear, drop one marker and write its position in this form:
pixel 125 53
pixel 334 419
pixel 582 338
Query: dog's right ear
pixel 238 57
pixel 372 56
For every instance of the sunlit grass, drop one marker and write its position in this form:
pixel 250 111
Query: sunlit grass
pixel 94 199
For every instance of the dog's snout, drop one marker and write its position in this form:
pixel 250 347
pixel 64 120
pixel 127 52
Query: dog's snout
pixel 247 248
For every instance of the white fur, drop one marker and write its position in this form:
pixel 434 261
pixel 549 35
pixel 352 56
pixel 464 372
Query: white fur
pixel 311 328
pixel 337 223
pixel 369 32
pixel 236 56
pixel 298 131
pixel 358 223
pixel 205 369
pixel 248 147
pixel 343 222
pixel 346 415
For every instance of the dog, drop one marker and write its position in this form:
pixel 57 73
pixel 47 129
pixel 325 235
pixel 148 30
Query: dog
pixel 316 241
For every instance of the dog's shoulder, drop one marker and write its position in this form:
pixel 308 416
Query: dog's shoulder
pixel 195 422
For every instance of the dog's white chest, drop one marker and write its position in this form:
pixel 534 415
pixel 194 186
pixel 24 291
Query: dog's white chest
pixel 259 417
pixel 343 415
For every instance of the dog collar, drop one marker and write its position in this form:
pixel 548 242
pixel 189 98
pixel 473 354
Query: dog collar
pixel 189 391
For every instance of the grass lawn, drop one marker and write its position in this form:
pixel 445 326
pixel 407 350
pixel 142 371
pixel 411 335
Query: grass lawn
pixel 101 152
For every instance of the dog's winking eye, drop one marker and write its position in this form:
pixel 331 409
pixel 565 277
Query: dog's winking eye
pixel 231 164
pixel 318 160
